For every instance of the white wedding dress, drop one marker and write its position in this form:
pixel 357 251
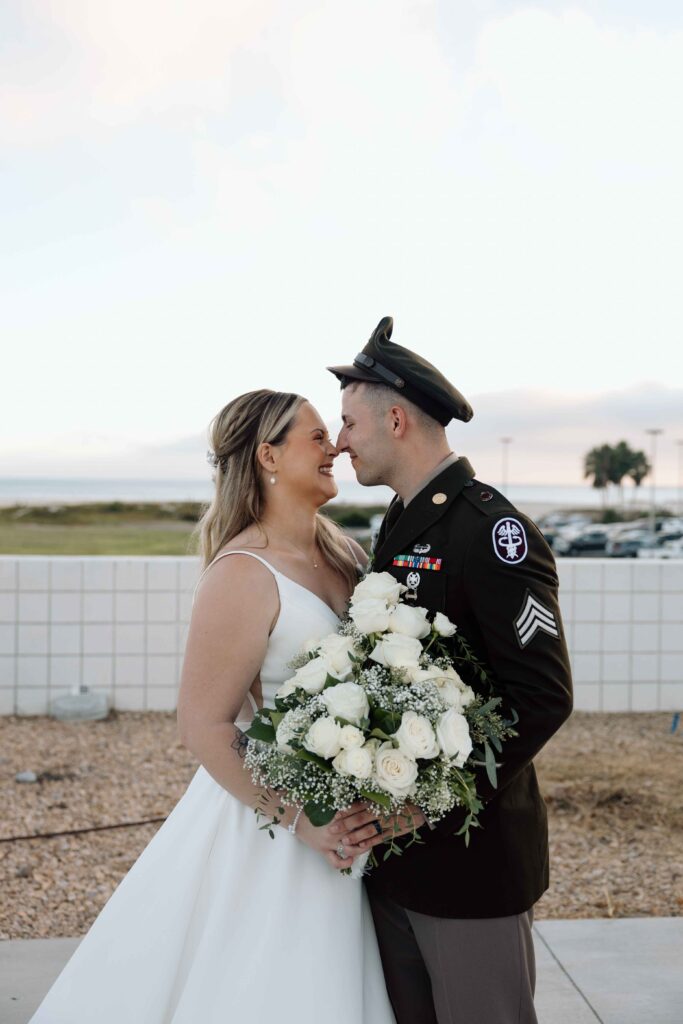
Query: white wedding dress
pixel 216 923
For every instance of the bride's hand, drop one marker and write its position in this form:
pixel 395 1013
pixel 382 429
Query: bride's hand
pixel 324 840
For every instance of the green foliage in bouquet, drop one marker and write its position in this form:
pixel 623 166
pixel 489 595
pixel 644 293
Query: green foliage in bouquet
pixel 378 712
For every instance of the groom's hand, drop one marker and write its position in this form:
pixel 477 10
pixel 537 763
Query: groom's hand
pixel 360 829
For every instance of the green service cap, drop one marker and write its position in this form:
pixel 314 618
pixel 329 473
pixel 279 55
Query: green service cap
pixel 382 361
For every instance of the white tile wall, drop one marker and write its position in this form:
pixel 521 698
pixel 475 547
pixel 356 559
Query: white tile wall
pixel 112 624
pixel 120 625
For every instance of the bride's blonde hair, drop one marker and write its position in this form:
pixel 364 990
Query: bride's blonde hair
pixel 235 434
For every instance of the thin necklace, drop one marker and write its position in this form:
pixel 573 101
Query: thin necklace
pixel 313 559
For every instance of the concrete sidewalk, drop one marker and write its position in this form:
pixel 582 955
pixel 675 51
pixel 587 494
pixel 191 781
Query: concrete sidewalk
pixel 627 971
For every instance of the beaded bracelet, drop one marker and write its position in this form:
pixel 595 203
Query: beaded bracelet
pixel 292 828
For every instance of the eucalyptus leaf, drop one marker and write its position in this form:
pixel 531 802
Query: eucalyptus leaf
pixel 489 705
pixel 496 743
pixel 491 765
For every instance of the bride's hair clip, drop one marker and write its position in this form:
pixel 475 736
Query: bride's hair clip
pixel 212 459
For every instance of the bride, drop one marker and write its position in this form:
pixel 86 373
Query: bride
pixel 217 922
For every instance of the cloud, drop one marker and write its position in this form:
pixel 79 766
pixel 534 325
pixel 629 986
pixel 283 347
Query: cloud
pixel 111 64
pixel 252 185
pixel 551 431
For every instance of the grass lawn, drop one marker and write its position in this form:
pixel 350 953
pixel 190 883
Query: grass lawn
pixel 93 539
pixel 117 528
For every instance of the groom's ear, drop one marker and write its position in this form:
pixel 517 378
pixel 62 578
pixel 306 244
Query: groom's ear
pixel 398 421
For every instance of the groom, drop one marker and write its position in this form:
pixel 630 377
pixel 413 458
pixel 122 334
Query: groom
pixel 454 922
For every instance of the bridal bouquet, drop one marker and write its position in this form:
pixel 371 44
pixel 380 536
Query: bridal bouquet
pixel 378 712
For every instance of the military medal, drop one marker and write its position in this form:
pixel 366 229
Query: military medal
pixel 420 562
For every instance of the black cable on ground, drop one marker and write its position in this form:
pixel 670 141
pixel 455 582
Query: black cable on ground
pixel 80 831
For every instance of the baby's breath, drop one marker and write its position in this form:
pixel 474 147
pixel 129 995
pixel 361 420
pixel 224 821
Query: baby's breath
pixel 312 781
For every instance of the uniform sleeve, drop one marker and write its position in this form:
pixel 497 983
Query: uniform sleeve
pixel 511 588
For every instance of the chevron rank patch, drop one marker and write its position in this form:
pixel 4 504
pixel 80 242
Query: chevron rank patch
pixel 418 562
pixel 534 617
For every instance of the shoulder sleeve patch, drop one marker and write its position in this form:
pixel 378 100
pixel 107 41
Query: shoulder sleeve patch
pixel 509 541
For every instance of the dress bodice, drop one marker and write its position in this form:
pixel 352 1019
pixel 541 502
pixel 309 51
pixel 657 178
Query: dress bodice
pixel 303 617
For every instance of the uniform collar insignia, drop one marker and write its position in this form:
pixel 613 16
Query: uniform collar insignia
pixel 422 512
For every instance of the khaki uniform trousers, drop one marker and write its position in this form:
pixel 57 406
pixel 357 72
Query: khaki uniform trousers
pixel 456 970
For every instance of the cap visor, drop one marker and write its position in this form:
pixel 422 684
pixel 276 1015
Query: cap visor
pixel 354 373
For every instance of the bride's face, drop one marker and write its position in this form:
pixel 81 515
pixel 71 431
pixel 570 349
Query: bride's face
pixel 303 464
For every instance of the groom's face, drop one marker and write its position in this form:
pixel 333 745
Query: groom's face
pixel 362 436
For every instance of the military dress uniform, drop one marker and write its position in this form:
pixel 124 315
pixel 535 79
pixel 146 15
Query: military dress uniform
pixel 453 921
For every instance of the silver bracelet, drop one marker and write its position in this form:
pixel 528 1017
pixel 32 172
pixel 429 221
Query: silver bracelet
pixel 292 828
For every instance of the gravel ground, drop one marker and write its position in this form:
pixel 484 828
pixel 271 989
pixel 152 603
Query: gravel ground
pixel 612 783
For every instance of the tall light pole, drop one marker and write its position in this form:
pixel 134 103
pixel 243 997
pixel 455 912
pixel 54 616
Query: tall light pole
pixel 653 432
pixel 679 442
pixel 505 441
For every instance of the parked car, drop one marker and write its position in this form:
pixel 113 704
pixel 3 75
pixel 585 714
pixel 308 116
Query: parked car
pixel 664 547
pixel 588 541
pixel 627 543
pixel 672 549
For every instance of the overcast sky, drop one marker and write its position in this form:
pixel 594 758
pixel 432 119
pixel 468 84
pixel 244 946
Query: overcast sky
pixel 200 199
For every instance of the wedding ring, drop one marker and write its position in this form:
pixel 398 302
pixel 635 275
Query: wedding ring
pixel 377 827
pixel 341 851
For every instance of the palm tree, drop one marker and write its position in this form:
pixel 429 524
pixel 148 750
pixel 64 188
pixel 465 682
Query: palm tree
pixel 621 463
pixel 638 470
pixel 598 465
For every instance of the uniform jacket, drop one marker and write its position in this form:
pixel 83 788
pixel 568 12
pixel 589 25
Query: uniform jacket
pixel 492 573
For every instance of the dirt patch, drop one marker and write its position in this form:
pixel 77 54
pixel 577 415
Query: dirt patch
pixel 612 784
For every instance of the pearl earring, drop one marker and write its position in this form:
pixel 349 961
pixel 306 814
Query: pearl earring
pixel 273 480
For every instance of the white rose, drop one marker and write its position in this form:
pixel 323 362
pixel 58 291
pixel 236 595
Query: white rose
pixel 285 732
pixel 416 737
pixel 335 650
pixel 351 738
pixel 323 737
pixel 453 734
pixel 449 691
pixel 397 651
pixel 396 772
pixel 311 676
pixel 347 700
pixel 370 616
pixel 311 646
pixel 381 586
pixel 409 621
pixel 443 625
pixel 466 695
pixel 356 762
pixel 451 688
pixel 289 686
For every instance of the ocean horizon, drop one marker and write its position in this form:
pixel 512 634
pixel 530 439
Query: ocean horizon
pixel 74 490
